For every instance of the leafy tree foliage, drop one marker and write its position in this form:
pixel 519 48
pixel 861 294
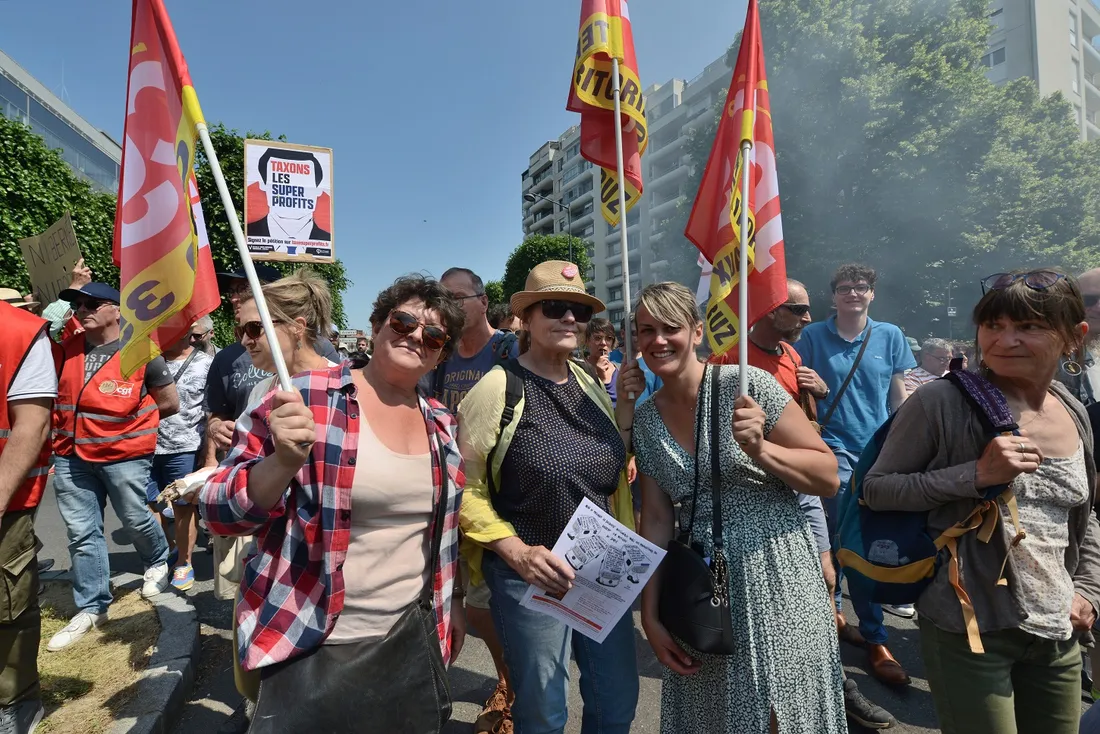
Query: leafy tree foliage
pixel 37 187
pixel 495 291
pixel 894 150
pixel 538 249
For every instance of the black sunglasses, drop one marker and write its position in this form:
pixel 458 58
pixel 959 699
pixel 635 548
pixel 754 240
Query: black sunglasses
pixel 861 289
pixel 557 310
pixel 404 323
pixel 88 304
pixel 1036 280
pixel 798 309
pixel 1091 299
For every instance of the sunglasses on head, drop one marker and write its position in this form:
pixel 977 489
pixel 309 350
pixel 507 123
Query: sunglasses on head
pixel 557 310
pixel 798 309
pixel 1036 280
pixel 404 323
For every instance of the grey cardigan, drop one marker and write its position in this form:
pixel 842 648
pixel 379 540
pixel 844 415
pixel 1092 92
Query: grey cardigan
pixel 928 463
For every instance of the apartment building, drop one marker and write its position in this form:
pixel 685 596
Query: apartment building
pixel 1054 42
pixel 560 189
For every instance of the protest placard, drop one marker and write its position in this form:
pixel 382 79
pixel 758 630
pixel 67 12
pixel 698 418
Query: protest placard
pixel 288 201
pixel 50 259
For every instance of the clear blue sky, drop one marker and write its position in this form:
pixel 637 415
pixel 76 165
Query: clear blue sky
pixel 432 108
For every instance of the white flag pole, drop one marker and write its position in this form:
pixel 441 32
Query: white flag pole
pixel 743 277
pixel 628 351
pixel 246 259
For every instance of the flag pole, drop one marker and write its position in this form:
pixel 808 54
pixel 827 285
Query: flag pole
pixel 628 351
pixel 246 259
pixel 743 277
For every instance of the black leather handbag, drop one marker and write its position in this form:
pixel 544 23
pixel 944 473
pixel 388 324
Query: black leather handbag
pixel 397 684
pixel 694 602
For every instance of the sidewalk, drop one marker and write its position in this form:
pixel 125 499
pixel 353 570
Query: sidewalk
pixel 214 697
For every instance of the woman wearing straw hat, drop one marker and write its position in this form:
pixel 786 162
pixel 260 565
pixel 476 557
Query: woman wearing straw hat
pixel 524 480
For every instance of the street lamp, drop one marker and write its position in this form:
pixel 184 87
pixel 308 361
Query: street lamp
pixel 532 198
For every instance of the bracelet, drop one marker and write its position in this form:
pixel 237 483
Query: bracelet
pixel 458 595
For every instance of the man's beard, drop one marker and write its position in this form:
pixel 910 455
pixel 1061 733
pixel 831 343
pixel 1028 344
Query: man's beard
pixel 791 335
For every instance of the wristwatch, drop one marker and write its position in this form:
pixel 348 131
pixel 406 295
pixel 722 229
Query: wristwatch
pixel 826 395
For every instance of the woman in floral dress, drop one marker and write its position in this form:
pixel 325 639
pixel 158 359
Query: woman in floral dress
pixel 785 675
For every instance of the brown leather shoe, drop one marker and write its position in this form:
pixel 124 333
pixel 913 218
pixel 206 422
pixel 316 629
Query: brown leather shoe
pixel 848 633
pixel 885 668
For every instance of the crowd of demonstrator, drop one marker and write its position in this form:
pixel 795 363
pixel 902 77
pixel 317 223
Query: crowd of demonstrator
pixel 414 487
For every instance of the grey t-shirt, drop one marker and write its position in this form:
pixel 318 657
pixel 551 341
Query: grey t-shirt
pixel 156 372
pixel 183 432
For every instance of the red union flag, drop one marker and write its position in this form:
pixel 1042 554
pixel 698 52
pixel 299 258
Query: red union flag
pixel 714 225
pixel 605 34
pixel 167 274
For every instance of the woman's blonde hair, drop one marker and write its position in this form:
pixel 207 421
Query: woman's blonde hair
pixel 670 303
pixel 302 294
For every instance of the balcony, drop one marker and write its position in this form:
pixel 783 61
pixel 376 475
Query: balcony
pixel 670 176
pixel 528 182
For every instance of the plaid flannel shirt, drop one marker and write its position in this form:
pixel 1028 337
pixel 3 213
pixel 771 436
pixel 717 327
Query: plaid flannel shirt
pixel 292 589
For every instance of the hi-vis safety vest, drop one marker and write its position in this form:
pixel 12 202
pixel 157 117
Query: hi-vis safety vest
pixel 106 419
pixel 21 329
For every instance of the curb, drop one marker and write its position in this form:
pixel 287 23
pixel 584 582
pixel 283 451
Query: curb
pixel 165 685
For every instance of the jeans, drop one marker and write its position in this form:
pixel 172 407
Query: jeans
pixel 869 613
pixel 536 649
pixel 166 469
pixel 1022 683
pixel 82 489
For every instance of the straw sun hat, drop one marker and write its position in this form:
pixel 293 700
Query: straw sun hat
pixel 554 280
pixel 11 296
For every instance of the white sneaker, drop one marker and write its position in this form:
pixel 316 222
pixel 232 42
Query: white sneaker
pixel 157 579
pixel 78 626
pixel 900 610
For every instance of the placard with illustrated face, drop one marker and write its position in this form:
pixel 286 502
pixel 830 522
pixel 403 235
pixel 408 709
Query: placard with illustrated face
pixel 288 201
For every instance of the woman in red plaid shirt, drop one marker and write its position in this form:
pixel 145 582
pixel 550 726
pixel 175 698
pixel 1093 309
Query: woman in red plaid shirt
pixel 355 567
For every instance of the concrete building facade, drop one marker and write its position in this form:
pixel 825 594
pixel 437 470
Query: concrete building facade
pixel 1054 42
pixel 91 153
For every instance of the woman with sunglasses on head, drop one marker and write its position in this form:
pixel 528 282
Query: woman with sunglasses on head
pixel 351 484
pixel 1007 660
pixel 764 450
pixel 525 479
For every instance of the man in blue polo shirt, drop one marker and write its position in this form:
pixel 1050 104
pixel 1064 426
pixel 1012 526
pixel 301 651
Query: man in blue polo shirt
pixel 850 414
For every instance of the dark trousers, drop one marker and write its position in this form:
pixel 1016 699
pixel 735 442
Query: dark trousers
pixel 20 617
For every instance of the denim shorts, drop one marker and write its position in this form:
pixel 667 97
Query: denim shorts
pixel 167 468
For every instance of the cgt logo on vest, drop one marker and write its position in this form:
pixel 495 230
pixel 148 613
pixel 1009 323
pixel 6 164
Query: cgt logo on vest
pixel 121 389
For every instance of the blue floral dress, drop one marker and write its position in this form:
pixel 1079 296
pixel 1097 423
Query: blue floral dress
pixel 787 658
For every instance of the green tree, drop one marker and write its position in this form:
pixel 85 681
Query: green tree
pixel 229 147
pixel 537 249
pixel 495 291
pixel 37 187
pixel 893 149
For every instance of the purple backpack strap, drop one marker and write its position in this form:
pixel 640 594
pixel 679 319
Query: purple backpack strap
pixel 986 398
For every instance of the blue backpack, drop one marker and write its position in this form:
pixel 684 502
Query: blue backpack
pixel 888 556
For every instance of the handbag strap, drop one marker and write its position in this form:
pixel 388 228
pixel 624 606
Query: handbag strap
pixel 851 374
pixel 438 517
pixel 186 364
pixel 698 443
pixel 715 467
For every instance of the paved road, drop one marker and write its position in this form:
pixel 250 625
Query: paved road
pixel 472 677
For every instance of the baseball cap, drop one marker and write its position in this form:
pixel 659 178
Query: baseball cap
pixel 266 274
pixel 914 345
pixel 98 291
pixel 12 297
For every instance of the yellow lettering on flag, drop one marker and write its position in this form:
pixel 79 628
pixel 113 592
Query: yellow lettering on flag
pixel 153 295
pixel 721 320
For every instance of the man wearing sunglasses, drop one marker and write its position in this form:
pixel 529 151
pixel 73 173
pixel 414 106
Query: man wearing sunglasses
pixel 105 433
pixel 935 356
pixel 479 349
pixel 860 366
